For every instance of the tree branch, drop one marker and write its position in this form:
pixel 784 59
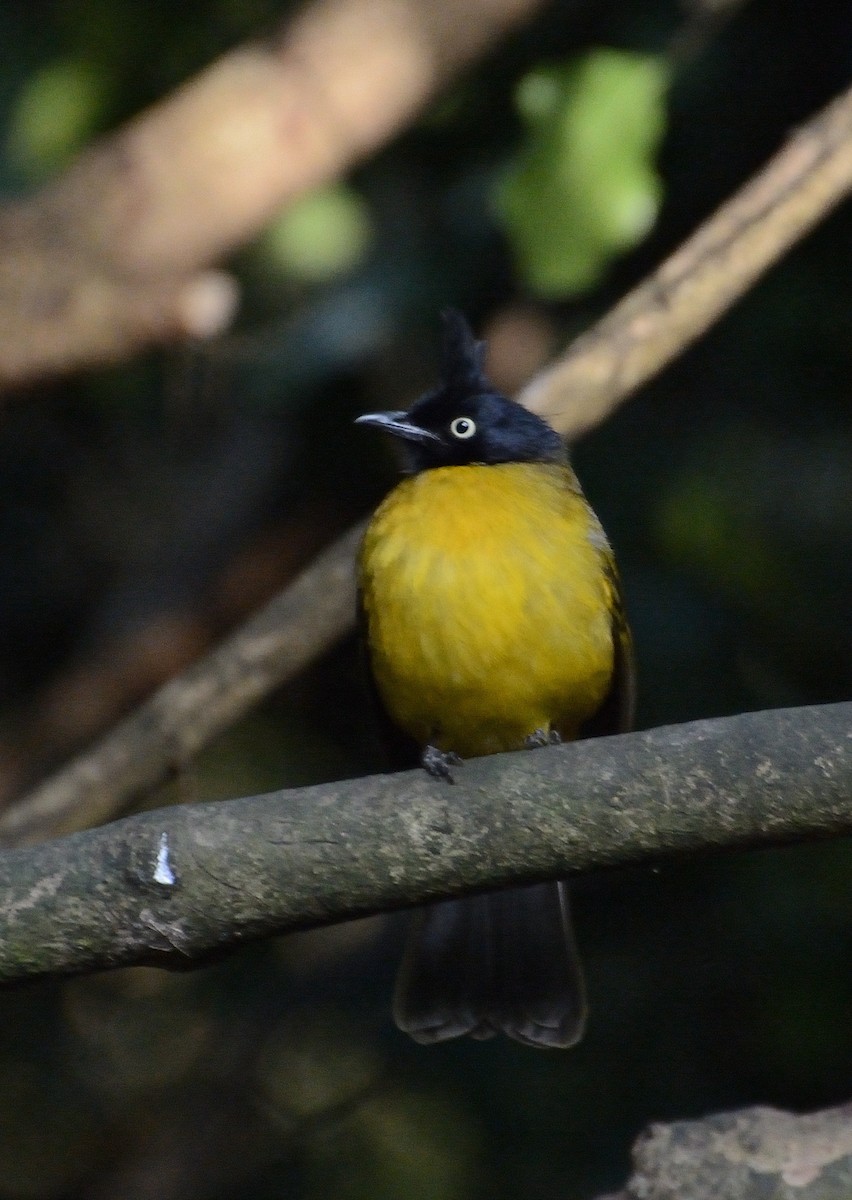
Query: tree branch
pixel 752 1154
pixel 644 332
pixel 171 886
pixel 703 278
pixel 165 732
pixel 116 254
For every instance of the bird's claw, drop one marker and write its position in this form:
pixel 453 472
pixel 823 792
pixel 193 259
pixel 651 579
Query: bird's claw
pixel 542 737
pixel 439 763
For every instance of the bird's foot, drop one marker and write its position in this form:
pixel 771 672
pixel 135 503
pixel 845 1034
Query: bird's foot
pixel 542 737
pixel 439 763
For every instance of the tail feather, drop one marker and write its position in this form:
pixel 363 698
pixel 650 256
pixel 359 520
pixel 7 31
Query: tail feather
pixel 503 962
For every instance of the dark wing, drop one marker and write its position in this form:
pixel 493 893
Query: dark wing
pixel 615 715
pixel 402 751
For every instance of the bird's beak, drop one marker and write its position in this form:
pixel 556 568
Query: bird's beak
pixel 396 423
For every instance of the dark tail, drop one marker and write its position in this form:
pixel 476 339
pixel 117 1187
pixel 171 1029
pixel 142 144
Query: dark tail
pixel 504 962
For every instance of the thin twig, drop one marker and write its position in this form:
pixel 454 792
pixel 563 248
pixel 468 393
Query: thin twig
pixel 165 732
pixel 703 278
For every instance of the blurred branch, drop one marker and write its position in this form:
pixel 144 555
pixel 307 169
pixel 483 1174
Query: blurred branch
pixel 116 254
pixel 645 331
pixel 122 666
pixel 752 1154
pixel 165 732
pixel 702 279
pixel 174 885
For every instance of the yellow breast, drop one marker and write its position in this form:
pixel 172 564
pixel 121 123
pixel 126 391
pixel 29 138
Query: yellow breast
pixel 488 605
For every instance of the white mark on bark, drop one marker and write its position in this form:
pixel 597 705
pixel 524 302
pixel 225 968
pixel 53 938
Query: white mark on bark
pixel 163 873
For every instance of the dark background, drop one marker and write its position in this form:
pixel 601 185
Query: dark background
pixel 145 509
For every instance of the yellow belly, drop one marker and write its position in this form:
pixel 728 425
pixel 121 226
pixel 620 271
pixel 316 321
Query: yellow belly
pixel 488 605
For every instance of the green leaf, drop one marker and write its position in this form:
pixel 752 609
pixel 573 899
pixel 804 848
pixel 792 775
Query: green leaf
pixel 56 113
pixel 321 236
pixel 583 187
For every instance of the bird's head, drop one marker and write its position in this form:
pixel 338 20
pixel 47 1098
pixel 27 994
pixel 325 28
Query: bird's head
pixel 465 420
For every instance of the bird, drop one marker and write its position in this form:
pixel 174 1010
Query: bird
pixel 492 620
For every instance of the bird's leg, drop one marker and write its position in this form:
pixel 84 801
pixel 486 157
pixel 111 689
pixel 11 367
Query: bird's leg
pixel 439 763
pixel 542 737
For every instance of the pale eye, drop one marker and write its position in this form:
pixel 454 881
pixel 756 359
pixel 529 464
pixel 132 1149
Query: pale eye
pixel 463 427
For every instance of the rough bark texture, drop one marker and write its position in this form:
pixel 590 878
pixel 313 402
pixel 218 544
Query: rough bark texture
pixel 171 886
pixel 753 1154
